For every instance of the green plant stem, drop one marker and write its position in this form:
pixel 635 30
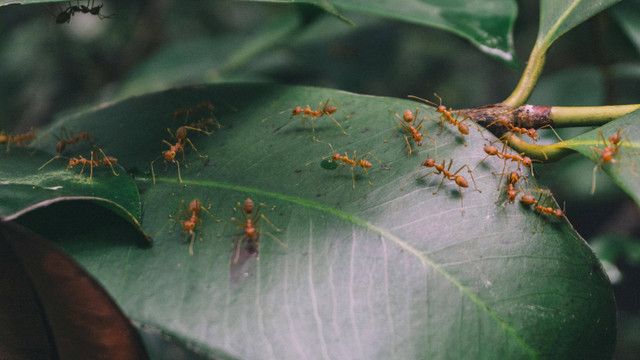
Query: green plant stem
pixel 529 77
pixel 543 153
pixel 588 115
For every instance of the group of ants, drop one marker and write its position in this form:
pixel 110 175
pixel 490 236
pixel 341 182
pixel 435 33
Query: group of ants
pixel 190 217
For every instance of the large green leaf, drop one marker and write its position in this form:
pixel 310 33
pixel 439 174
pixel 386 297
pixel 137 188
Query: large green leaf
pixel 487 24
pixel 559 16
pixel 625 171
pixel 388 270
pixel 628 16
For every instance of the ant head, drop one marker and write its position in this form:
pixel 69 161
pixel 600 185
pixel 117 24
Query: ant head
pixel 511 195
pixel 418 139
pixel 491 150
pixel 248 206
pixel 330 109
pixel 463 128
pixel 532 133
pixel 429 163
pixel 73 162
pixel 335 157
pixel 96 10
pixel 296 110
pixel 188 226
pixel 407 116
pixel 607 155
pixel 558 213
pixel 526 161
pixel 461 181
pixel 169 154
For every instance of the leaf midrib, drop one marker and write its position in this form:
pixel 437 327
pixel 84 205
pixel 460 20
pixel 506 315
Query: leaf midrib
pixel 425 260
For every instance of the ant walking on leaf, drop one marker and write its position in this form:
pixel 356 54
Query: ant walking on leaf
pixel 460 180
pixel 250 228
pixel 192 218
pixel 322 110
pixel 609 153
pixel 174 149
pixel 71 10
pixel 407 122
pixel 95 160
pixel 344 160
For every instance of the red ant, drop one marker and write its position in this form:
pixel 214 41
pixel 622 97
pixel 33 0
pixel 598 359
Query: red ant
pixel 19 139
pixel 174 149
pixel 322 110
pixel 446 115
pixel 607 155
pixel 412 132
pixel 512 192
pixel 250 228
pixel 189 225
pixel 187 112
pixel 541 206
pixel 491 150
pixel 70 139
pixel 446 174
pixel 94 161
pixel 529 132
pixel 352 162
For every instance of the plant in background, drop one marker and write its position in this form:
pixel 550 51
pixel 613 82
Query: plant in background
pixel 385 261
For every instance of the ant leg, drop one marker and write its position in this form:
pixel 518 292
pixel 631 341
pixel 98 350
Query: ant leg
pixel 153 174
pixel 47 163
pixel 194 148
pixel 337 123
pixel 105 157
pixel 178 166
pixel 442 181
pixel 193 236
pixel 239 246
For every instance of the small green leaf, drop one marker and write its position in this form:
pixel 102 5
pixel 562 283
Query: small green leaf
pixel 625 172
pixel 559 16
pixel 380 271
pixel 23 187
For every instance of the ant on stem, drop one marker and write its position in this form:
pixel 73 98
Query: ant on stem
pixel 94 161
pixel 189 223
pixel 411 131
pixel 251 229
pixel 322 110
pixel 608 154
pixel 352 162
pixel 460 180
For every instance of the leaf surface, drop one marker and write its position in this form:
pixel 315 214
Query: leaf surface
pixel 624 170
pixel 382 271
pixel 559 16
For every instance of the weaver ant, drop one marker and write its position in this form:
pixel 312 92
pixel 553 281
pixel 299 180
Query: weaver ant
pixel 352 162
pixel 542 206
pixel 19 139
pixel 411 131
pixel 187 112
pixel 446 115
pixel 174 149
pixel 512 192
pixel 251 229
pixel 192 218
pixel 607 155
pixel 94 161
pixel 70 139
pixel 322 110
pixel 491 150
pixel 446 174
